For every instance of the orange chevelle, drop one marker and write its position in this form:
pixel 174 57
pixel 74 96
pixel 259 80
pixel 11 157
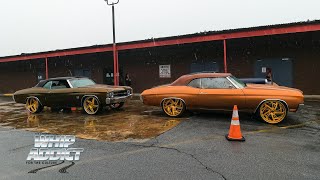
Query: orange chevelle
pixel 221 91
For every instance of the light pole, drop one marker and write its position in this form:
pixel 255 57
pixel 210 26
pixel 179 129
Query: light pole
pixel 115 52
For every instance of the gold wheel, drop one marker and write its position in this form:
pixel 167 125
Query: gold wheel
pixel 173 107
pixel 33 105
pixel 91 105
pixel 273 111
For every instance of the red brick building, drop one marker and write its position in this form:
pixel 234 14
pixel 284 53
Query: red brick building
pixel 292 51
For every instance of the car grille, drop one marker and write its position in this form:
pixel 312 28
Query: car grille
pixel 120 93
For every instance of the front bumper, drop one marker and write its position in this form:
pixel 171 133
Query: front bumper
pixel 115 100
pixel 298 107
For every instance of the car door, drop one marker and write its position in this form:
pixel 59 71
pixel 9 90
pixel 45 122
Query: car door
pixel 60 94
pixel 220 93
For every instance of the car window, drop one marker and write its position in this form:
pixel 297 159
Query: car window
pixel 60 84
pixel 195 83
pixel 81 82
pixel 47 85
pixel 237 81
pixel 216 83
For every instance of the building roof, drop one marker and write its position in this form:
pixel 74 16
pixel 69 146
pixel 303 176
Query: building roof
pixel 296 27
pixel 284 25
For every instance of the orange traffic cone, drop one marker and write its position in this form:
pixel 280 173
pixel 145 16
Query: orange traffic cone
pixel 235 131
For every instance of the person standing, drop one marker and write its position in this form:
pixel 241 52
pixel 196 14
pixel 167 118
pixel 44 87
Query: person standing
pixel 269 76
pixel 128 80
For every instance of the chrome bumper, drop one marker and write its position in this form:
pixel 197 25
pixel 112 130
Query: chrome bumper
pixel 117 99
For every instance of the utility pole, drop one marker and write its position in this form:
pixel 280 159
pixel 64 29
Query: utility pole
pixel 115 52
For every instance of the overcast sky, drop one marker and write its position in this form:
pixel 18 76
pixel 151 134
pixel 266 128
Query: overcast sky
pixel 28 26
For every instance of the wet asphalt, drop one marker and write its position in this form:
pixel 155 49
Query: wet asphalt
pixel 194 148
pixel 133 121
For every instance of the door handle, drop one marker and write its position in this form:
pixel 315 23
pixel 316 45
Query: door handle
pixel 203 93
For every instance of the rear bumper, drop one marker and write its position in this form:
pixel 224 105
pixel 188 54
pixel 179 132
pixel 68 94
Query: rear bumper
pixel 117 99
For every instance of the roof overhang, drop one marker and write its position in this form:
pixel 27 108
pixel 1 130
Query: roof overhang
pixel 186 39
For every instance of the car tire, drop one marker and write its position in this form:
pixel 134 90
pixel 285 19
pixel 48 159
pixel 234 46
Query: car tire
pixel 91 105
pixel 173 107
pixel 116 105
pixel 33 105
pixel 272 111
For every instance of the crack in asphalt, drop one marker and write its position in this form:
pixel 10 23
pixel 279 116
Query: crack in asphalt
pixel 153 145
pixel 64 169
pixel 38 169
pixel 157 142
pixel 195 158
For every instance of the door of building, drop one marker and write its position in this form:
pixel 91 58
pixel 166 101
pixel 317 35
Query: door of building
pixel 281 70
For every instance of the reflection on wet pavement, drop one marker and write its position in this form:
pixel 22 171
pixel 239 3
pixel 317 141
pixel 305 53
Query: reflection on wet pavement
pixel 111 125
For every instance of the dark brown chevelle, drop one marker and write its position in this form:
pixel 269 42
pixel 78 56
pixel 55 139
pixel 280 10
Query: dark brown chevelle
pixel 67 92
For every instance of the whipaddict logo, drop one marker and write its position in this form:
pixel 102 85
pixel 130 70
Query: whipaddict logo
pixel 49 149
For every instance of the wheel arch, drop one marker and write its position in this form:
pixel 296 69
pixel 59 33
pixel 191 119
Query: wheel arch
pixel 281 100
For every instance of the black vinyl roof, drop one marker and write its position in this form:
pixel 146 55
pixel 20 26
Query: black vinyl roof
pixel 65 78
pixel 42 82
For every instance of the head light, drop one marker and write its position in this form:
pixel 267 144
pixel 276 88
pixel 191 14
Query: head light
pixel 128 92
pixel 110 94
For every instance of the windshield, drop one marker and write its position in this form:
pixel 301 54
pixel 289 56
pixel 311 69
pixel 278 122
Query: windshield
pixel 238 82
pixel 81 82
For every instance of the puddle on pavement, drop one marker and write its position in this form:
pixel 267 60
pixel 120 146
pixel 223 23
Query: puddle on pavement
pixel 112 125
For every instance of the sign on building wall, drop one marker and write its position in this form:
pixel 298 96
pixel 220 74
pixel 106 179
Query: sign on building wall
pixel 164 71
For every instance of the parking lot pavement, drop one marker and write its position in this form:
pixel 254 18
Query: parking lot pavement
pixel 195 148
pixel 134 121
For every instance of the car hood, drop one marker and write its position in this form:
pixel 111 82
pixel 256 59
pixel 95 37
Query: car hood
pixel 270 87
pixel 108 87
